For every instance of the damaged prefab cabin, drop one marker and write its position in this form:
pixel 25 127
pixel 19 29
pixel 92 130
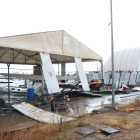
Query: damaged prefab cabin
pixel 44 49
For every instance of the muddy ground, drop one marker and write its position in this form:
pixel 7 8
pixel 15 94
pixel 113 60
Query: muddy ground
pixel 91 121
pixel 78 106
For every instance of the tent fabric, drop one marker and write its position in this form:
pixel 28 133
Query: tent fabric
pixel 126 59
pixel 60 45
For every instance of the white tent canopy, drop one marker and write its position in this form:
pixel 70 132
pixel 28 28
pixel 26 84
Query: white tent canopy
pixel 62 47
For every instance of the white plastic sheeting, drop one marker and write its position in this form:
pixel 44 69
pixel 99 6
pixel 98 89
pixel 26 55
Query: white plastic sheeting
pixel 126 59
pixel 82 75
pixel 39 114
pixel 49 74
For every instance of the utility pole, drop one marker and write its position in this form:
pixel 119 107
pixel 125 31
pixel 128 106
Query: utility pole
pixel 112 56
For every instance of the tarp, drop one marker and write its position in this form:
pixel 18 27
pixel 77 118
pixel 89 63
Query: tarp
pixel 61 46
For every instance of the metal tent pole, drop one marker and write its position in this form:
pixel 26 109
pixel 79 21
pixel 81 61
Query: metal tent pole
pixel 58 68
pixel 101 68
pixel 8 64
pixel 42 82
pixel 102 79
pixel 38 72
pixel 112 55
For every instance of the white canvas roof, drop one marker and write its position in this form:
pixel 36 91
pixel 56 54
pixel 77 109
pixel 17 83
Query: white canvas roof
pixel 62 47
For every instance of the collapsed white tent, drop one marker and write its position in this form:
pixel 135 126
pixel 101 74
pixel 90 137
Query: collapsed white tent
pixel 55 47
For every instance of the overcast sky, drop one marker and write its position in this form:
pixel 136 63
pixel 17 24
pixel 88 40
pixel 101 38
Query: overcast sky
pixel 86 20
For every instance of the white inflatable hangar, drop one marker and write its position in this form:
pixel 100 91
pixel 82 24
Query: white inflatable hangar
pixel 52 47
pixel 126 62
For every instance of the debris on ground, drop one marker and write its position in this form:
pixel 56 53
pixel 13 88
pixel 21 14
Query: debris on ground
pixel 84 131
pixel 109 130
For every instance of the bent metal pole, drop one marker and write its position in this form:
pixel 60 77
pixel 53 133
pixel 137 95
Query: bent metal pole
pixel 112 56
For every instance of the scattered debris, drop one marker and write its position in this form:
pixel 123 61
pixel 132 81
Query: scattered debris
pixel 88 138
pixel 97 112
pixel 109 130
pixel 136 88
pixel 131 109
pixel 84 131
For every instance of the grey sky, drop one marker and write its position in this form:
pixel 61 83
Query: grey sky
pixel 86 20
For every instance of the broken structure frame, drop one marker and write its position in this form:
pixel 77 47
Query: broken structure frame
pixel 62 47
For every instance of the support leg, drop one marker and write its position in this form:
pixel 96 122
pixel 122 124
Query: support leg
pixel 42 83
pixel 8 64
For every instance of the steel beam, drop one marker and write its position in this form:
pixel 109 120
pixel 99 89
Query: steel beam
pixel 31 56
pixel 8 64
pixel 4 53
pixel 27 55
pixel 17 55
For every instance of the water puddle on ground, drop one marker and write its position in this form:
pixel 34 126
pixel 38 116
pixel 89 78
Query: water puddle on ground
pixel 80 105
pixel 84 105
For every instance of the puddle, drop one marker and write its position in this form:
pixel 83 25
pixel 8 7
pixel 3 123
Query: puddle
pixel 84 105
pixel 80 105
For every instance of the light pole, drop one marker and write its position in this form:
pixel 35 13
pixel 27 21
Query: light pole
pixel 112 56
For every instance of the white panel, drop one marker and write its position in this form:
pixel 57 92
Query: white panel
pixel 39 114
pixel 66 41
pixel 49 74
pixel 82 74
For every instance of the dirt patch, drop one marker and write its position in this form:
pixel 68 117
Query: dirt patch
pixel 15 121
pixel 132 105
pixel 97 122
pixel 94 122
pixel 125 121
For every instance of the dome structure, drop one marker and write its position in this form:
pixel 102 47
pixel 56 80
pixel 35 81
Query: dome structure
pixel 126 59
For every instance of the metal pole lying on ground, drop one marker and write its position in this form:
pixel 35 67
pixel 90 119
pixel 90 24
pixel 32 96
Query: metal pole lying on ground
pixel 8 64
pixel 112 55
